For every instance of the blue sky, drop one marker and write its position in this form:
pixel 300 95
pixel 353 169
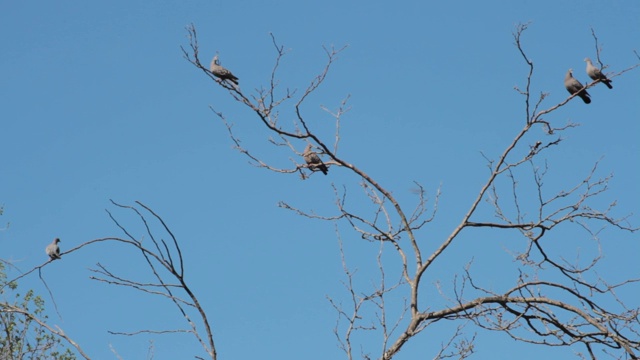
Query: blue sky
pixel 98 104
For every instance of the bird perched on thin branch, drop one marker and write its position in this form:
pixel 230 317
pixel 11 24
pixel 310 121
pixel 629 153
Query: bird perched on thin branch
pixel 53 250
pixel 313 160
pixel 574 86
pixel 220 72
pixel 595 73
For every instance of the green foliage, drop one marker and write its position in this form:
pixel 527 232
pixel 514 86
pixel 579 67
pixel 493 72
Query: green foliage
pixel 21 336
pixel 2 212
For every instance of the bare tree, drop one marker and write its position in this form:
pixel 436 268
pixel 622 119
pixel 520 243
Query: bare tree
pixel 552 302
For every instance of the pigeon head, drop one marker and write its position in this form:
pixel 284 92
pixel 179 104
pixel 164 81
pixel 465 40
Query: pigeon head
pixel 587 60
pixel 57 240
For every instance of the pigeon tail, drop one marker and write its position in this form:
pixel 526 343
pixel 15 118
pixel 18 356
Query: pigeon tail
pixel 585 97
pixel 323 168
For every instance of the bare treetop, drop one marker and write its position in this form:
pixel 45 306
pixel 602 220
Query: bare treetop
pixel 539 308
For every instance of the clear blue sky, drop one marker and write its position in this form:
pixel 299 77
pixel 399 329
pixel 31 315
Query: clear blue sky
pixel 97 103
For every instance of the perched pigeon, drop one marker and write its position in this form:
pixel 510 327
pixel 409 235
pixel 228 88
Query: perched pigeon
pixel 596 74
pixel 53 250
pixel 313 160
pixel 573 86
pixel 221 72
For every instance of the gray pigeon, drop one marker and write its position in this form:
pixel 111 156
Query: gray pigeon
pixel 595 74
pixel 53 250
pixel 574 86
pixel 221 72
pixel 313 160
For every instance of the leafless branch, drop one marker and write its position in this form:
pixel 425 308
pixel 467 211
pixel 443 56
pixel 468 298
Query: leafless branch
pixel 163 257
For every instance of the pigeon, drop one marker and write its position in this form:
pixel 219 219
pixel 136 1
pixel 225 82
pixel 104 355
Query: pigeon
pixel 313 160
pixel 573 86
pixel 596 74
pixel 221 72
pixel 53 250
